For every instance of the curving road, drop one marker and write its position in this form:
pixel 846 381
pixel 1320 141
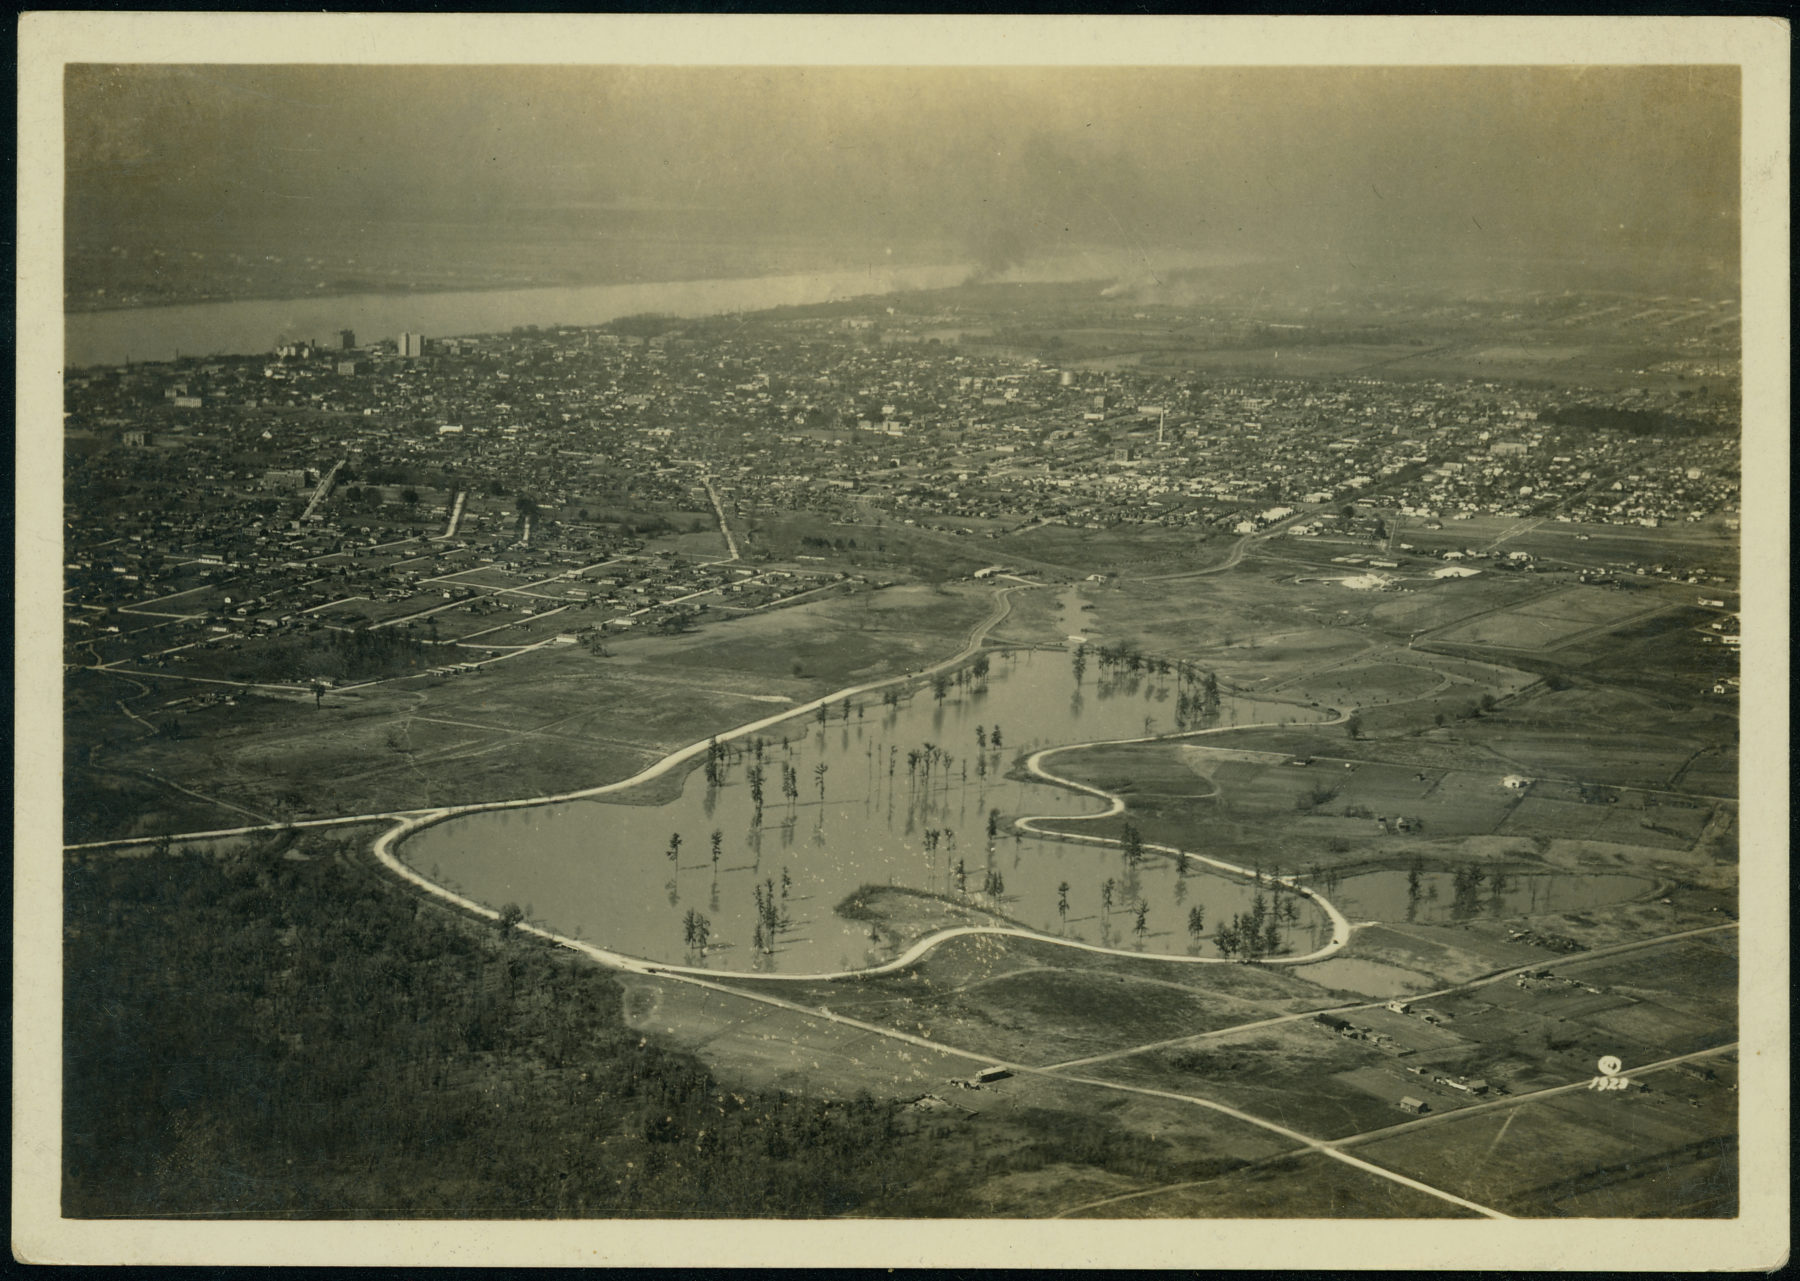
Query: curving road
pixel 1235 555
pixel 408 822
pixel 412 819
pixel 1340 925
pixel 387 843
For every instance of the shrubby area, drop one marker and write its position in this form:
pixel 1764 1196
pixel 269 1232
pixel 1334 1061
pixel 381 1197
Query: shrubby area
pixel 279 1034
pixel 340 655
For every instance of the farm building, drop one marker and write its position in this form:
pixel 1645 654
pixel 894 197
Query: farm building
pixel 1418 1107
pixel 988 1074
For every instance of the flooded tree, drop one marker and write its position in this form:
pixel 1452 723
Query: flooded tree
pixel 1133 844
pixel 1227 939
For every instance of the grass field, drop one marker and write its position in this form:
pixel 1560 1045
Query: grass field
pixel 1568 544
pixel 1327 1189
pixel 1124 549
pixel 549 721
pixel 1651 1154
pixel 1546 622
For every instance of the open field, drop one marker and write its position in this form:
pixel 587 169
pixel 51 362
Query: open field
pixel 877 544
pixel 1044 1014
pixel 1648 1154
pixel 1548 622
pixel 549 721
pixel 1558 544
pixel 1123 549
pixel 1327 1188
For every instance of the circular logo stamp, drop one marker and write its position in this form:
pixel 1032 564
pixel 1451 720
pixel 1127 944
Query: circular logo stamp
pixel 1610 1066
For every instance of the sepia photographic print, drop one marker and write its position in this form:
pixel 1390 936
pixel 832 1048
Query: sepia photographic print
pixel 695 640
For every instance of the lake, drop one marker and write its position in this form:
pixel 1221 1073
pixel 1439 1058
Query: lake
pixel 601 871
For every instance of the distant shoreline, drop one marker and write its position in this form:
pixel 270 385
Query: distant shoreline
pixel 1033 270
pixel 398 289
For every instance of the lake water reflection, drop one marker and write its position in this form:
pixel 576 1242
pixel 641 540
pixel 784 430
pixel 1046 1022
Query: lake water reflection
pixel 878 814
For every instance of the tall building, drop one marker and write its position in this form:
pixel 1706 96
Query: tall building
pixel 412 344
pixel 346 340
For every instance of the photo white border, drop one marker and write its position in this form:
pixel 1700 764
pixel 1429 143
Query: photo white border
pixel 1757 1240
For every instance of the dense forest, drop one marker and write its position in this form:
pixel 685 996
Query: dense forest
pixel 340 655
pixel 282 1033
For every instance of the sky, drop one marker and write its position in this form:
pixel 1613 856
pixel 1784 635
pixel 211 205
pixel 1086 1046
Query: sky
pixel 1559 163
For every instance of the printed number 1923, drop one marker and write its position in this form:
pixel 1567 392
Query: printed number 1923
pixel 1609 1078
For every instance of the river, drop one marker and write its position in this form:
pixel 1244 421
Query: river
pixel 249 327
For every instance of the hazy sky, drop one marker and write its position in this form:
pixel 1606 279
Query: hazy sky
pixel 1543 161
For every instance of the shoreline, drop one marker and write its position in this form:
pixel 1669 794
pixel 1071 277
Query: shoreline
pixel 401 289
pixel 385 850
